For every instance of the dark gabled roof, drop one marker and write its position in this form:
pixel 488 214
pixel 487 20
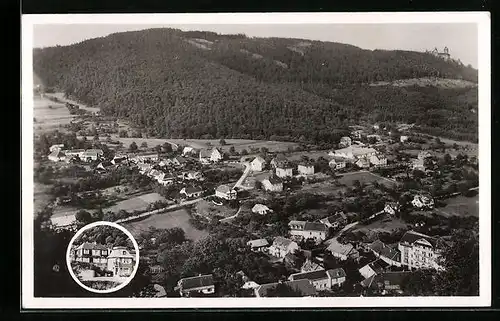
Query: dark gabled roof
pixel 412 236
pixel 304 286
pixel 280 241
pixel 274 180
pixel 387 251
pixel 392 278
pixel 313 275
pixel 378 266
pixel 191 190
pixel 92 246
pixel 314 226
pixel 196 282
pixel 336 273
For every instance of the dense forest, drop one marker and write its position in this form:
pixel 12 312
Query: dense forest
pixel 203 85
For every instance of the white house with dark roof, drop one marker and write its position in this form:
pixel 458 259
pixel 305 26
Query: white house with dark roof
pixel 337 163
pixel 335 221
pixel 282 246
pixel 201 284
pixel 378 160
pixel 94 253
pixel 259 245
pixel 258 164
pixel 306 230
pixel 389 254
pixel 419 250
pixel 345 142
pixel 214 155
pixel 372 268
pixel 56 147
pixel 423 201
pixel 322 279
pixel 191 191
pixel 305 169
pixel 343 251
pixel 303 286
pixel 283 169
pixel 273 184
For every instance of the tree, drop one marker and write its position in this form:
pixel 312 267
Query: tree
pixel 244 152
pixel 283 290
pixel 167 147
pixel 264 150
pixel 157 148
pixel 232 150
pixel 222 142
pixel 123 133
pixel 144 145
pixel 83 216
pixel 447 159
pixel 133 147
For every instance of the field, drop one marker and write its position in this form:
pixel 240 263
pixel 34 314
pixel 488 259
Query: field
pixel 136 203
pixel 179 218
pixel 364 177
pixel 49 118
pixel 382 224
pixel 209 209
pixel 461 206
pixel 470 151
pixel 41 196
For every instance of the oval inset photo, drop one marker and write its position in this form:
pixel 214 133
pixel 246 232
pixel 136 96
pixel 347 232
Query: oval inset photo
pixel 102 257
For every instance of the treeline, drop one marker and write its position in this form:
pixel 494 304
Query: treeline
pixel 160 82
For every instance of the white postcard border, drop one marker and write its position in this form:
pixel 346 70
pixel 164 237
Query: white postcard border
pixel 484 112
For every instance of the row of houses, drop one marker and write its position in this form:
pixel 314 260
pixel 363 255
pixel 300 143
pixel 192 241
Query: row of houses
pixel 58 154
pixel 119 260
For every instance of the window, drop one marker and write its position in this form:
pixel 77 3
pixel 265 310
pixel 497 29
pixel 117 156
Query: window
pixel 124 252
pixel 85 251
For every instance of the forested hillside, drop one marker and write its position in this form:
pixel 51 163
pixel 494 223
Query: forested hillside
pixel 201 84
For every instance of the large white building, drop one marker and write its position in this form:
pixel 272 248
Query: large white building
pixel 353 152
pixel 419 251
pixel 306 230
pixel 282 246
pixel 121 262
pixel 258 164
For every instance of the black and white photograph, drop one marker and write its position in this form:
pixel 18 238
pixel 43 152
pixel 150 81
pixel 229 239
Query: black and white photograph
pixel 329 160
pixel 102 258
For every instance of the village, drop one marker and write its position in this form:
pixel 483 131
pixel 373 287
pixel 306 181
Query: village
pixel 365 213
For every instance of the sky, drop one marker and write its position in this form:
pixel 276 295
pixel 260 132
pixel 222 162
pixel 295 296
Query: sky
pixel 460 38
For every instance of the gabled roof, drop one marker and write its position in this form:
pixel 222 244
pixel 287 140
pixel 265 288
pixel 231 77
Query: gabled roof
pixel 411 237
pixel 117 252
pixel 386 278
pixel 282 242
pixel 92 246
pixel 274 180
pixel 260 207
pixel 304 286
pixel 299 224
pixel 224 189
pixel 259 159
pixel 180 159
pixel 313 275
pixel 336 273
pixel 258 243
pixel 57 153
pixel 314 226
pixel 378 265
pixel 196 282
pixel 192 189
pixel 389 252
pixel 339 248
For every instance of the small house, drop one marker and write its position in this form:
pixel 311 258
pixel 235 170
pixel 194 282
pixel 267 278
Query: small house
pixel 191 191
pixel 57 156
pixel 345 142
pixel 261 209
pixel 258 164
pixel 259 245
pixel 403 138
pixel 392 208
pixel 121 261
pixel 376 267
pixel 304 287
pixel 284 169
pixel 56 147
pixel 305 169
pixel 378 160
pixel 335 221
pixel 308 230
pixel 272 184
pixel 423 201
pixel 282 246
pixel 386 282
pixel 226 192
pixel 201 284
pixel 343 251
pixel 389 254
pixel 337 163
pixel 362 163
